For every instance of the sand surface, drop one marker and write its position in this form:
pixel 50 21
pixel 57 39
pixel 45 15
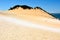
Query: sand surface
pixel 27 24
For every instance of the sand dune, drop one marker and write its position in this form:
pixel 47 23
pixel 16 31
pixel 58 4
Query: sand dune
pixel 31 12
pixel 28 24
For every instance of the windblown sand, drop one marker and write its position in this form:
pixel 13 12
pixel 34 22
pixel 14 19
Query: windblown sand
pixel 33 24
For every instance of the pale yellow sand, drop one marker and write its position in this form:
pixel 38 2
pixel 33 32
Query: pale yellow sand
pixel 28 25
pixel 31 12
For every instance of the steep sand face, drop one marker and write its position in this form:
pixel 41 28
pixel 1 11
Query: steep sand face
pixel 27 24
pixel 31 12
pixel 34 15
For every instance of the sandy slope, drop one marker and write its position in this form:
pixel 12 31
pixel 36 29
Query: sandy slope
pixel 31 12
pixel 27 24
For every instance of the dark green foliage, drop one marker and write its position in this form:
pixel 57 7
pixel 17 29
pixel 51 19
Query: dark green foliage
pixel 38 8
pixel 22 6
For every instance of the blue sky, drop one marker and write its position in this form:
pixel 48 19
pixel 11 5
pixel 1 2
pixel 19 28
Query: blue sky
pixel 52 6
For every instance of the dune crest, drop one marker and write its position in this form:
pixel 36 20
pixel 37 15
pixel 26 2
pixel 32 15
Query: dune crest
pixel 26 10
